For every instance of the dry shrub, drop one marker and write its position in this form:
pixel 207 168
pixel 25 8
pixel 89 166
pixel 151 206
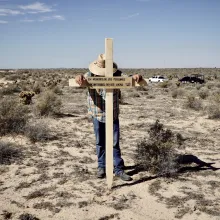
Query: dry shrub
pixel 13 116
pixel 6 214
pixel 141 88
pixel 10 90
pixel 26 97
pixel 216 97
pixel 203 93
pixel 37 88
pixel 9 153
pixel 27 216
pixel 12 77
pixel 177 92
pixel 158 154
pixel 48 104
pixel 150 97
pixel 214 111
pixel 57 90
pixel 3 74
pixel 164 84
pixel 210 85
pixel 38 131
pixel 199 86
pixel 134 94
pixel 193 103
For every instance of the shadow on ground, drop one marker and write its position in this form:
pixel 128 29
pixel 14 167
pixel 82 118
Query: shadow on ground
pixel 181 160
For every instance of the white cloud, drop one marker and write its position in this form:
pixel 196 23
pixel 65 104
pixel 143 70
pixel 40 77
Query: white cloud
pixel 54 17
pixel 5 12
pixel 36 7
pixel 27 20
pixel 130 16
pixel 3 22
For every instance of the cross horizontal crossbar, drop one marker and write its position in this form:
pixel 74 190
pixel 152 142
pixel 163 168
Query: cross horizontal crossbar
pixel 109 83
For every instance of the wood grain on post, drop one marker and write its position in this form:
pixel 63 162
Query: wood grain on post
pixel 109 112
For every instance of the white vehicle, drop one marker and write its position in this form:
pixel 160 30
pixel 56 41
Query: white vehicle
pixel 158 79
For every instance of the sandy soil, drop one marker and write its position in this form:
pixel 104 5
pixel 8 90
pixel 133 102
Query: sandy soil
pixel 57 179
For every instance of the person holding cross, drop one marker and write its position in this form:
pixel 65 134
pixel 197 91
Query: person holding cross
pixel 96 109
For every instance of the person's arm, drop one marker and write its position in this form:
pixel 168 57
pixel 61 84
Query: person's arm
pixel 80 79
pixel 136 77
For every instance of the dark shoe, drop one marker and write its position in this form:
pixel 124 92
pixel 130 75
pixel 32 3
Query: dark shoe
pixel 101 172
pixel 124 176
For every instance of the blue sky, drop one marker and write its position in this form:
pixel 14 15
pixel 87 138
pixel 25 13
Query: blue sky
pixel 146 33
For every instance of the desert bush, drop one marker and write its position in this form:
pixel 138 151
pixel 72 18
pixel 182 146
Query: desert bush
pixel 215 96
pixel 3 74
pixel 12 77
pixel 164 84
pixel 9 153
pixel 48 104
pixel 25 86
pixel 141 88
pixel 38 131
pixel 199 86
pixel 10 89
pixel 215 76
pixel 214 111
pixel 134 94
pixel 177 92
pixel 178 84
pixel 27 216
pixel 203 93
pixel 37 88
pixel 13 116
pixel 57 90
pixel 210 85
pixel 193 103
pixel 26 97
pixel 158 154
pixel 150 97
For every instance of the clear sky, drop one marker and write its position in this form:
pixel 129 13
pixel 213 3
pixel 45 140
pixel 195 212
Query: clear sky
pixel 146 33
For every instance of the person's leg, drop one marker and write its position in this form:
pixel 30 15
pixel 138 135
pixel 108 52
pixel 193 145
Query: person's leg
pixel 118 161
pixel 99 130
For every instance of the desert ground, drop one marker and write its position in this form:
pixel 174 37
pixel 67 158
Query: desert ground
pixel 51 174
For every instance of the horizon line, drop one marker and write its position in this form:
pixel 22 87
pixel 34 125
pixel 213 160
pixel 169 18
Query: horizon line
pixel 2 69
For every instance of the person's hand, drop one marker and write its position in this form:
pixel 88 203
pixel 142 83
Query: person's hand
pixel 80 79
pixel 137 77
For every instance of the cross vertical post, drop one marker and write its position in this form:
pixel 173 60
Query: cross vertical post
pixel 109 83
pixel 109 112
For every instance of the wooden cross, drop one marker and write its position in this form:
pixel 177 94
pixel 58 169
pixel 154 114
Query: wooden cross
pixel 109 83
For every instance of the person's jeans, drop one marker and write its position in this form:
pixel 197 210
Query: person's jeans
pixel 99 129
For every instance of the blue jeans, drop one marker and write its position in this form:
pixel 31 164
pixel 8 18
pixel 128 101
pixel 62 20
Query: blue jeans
pixel 99 129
